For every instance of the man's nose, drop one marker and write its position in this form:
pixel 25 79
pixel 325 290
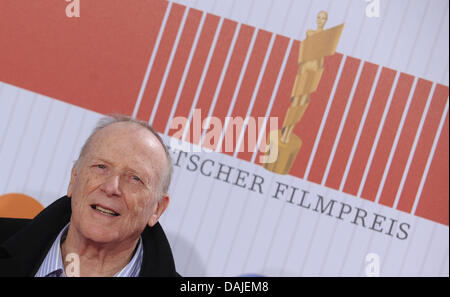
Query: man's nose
pixel 111 186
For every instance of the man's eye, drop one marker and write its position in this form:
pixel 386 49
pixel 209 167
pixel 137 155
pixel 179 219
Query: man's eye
pixel 136 178
pixel 101 166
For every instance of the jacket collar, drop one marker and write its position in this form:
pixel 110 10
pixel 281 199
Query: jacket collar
pixel 24 251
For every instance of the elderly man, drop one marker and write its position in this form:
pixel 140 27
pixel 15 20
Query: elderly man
pixel 107 225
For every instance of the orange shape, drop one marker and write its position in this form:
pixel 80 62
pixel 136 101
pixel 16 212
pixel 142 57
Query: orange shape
pixel 17 205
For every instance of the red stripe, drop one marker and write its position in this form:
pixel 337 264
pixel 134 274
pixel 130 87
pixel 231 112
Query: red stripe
pixel 265 91
pixel 196 68
pixel 369 131
pixel 245 92
pixel 350 129
pixel 282 99
pixel 423 149
pixel 96 61
pixel 308 128
pixel 405 143
pixel 160 62
pixel 232 75
pixel 176 71
pixel 213 74
pixel 387 137
pixel 333 120
pixel 433 204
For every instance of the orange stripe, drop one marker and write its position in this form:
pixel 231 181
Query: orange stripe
pixel 350 129
pixel 245 92
pixel 160 62
pixel 333 120
pixel 232 75
pixel 176 71
pixel 96 61
pixel 433 204
pixel 424 145
pixel 405 143
pixel 369 131
pixel 387 137
pixel 282 99
pixel 213 75
pixel 266 88
pixel 309 125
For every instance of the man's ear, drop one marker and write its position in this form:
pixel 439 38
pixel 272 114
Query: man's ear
pixel 73 175
pixel 161 206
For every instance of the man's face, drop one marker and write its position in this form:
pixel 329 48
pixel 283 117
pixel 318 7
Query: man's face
pixel 115 186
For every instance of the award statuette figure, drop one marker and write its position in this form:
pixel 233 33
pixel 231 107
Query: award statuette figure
pixel 317 45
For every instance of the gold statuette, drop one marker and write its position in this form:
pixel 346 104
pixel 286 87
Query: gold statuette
pixel 317 44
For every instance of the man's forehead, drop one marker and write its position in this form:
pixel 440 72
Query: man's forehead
pixel 126 139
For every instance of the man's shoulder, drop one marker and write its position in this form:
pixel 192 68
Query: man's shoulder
pixel 10 226
pixel 55 215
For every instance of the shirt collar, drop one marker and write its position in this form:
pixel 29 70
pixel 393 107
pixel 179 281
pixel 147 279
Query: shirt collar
pixel 53 266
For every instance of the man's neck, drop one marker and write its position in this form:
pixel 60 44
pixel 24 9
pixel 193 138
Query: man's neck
pixel 96 259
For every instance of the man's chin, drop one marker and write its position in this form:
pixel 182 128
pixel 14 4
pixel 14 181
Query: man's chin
pixel 100 234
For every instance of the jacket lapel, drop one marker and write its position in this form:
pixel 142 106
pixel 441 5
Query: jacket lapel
pixel 158 258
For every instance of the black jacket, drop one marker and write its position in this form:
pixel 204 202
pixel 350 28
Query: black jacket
pixel 24 243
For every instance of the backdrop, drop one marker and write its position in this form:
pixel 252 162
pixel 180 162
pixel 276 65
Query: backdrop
pixel 368 193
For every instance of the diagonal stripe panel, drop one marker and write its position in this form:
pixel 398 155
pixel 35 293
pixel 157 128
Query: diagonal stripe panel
pixel 386 140
pixel 405 143
pixel 307 129
pixel 429 131
pixel 160 63
pixel 365 143
pixel 232 74
pixel 333 120
pixel 197 66
pixel 267 86
pixel 246 90
pixel 214 71
pixel 176 69
pixel 282 99
pixel 434 203
pixel 351 125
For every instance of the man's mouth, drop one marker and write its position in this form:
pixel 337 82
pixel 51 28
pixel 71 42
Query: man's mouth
pixel 105 211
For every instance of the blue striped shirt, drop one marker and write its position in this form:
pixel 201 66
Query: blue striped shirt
pixel 53 266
